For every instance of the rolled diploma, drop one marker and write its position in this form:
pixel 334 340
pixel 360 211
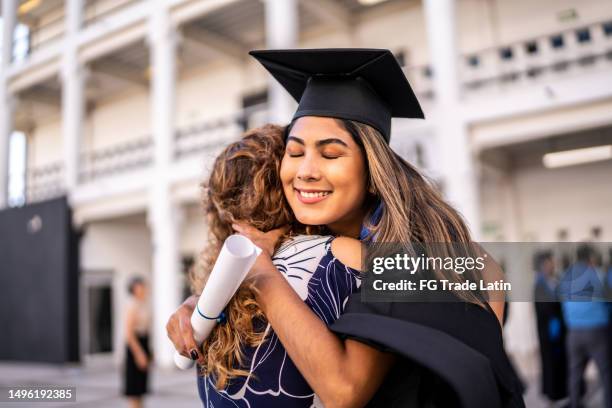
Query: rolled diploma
pixel 236 258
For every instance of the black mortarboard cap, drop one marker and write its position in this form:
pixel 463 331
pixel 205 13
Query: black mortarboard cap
pixel 365 85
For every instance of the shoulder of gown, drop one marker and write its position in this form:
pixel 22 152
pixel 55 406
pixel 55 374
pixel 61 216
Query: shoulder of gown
pixel 459 342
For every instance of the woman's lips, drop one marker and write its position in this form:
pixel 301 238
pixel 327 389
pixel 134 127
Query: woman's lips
pixel 311 197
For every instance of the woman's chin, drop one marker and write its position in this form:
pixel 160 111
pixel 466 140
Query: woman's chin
pixel 311 219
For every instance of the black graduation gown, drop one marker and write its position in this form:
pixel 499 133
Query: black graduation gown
pixel 452 353
pixel 552 346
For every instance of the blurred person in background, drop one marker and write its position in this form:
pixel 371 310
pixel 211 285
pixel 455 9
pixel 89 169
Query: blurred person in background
pixel 138 356
pixel 608 284
pixel 586 315
pixel 551 328
pixel 609 268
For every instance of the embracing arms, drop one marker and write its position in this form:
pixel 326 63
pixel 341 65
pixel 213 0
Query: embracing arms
pixel 343 373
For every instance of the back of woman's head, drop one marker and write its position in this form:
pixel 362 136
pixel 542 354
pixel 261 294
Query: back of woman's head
pixel 244 185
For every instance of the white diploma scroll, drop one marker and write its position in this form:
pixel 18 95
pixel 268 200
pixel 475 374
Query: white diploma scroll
pixel 236 258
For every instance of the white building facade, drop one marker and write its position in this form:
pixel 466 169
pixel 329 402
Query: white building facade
pixel 124 103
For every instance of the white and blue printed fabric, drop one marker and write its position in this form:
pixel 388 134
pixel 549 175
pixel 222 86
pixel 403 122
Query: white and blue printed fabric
pixel 324 284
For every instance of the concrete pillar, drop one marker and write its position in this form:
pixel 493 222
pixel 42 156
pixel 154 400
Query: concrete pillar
pixel 9 18
pixel 7 104
pixel 74 15
pixel 9 22
pixel 73 105
pixel 512 214
pixel 163 215
pixel 73 97
pixel 282 30
pixel 456 159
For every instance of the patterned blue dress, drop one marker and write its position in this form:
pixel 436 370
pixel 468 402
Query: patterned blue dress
pixel 324 283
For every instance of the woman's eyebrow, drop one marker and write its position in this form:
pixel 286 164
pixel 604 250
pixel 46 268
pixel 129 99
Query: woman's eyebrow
pixel 329 141
pixel 295 139
pixel 318 143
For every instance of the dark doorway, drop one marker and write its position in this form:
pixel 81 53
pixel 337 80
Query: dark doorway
pixel 101 320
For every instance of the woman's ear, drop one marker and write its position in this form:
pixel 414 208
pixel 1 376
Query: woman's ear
pixel 371 189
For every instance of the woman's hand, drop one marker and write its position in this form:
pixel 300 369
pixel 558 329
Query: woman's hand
pixel 266 241
pixel 180 332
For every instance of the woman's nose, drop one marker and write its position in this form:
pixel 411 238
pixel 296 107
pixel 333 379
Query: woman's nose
pixel 308 170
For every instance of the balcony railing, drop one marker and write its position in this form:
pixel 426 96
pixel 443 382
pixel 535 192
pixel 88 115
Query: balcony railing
pixel 137 154
pixel 45 182
pixel 207 136
pixel 98 10
pixel 28 40
pixel 420 78
pixel 116 159
pixel 526 61
pixel 537 58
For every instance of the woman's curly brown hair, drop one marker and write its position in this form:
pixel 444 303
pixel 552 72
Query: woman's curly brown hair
pixel 244 185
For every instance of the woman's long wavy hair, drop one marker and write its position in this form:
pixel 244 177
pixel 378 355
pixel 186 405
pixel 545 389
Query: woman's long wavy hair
pixel 413 211
pixel 244 185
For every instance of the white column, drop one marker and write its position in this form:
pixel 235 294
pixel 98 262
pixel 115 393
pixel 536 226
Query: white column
pixel 6 129
pixel 73 104
pixel 456 159
pixel 9 21
pixel 9 18
pixel 512 222
pixel 163 214
pixel 73 98
pixel 282 29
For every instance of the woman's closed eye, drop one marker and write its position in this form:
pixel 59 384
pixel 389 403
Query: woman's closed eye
pixel 329 156
pixel 294 153
pixel 331 153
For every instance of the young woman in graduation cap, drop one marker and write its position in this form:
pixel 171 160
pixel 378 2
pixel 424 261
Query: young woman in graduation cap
pixel 339 172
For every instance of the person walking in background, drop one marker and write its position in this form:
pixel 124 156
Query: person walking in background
pixel 137 357
pixel 586 316
pixel 551 328
pixel 608 286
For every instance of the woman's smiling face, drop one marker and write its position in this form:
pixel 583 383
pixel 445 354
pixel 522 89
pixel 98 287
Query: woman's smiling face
pixel 324 175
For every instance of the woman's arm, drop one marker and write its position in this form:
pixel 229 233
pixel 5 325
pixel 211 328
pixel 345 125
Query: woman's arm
pixel 130 336
pixel 342 373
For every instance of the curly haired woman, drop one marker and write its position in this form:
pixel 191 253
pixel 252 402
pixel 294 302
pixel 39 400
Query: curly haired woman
pixel 243 360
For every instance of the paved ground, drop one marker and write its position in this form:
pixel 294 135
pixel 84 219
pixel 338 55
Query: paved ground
pixel 99 386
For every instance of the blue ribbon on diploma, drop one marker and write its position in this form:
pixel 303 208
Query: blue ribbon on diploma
pixel 221 319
